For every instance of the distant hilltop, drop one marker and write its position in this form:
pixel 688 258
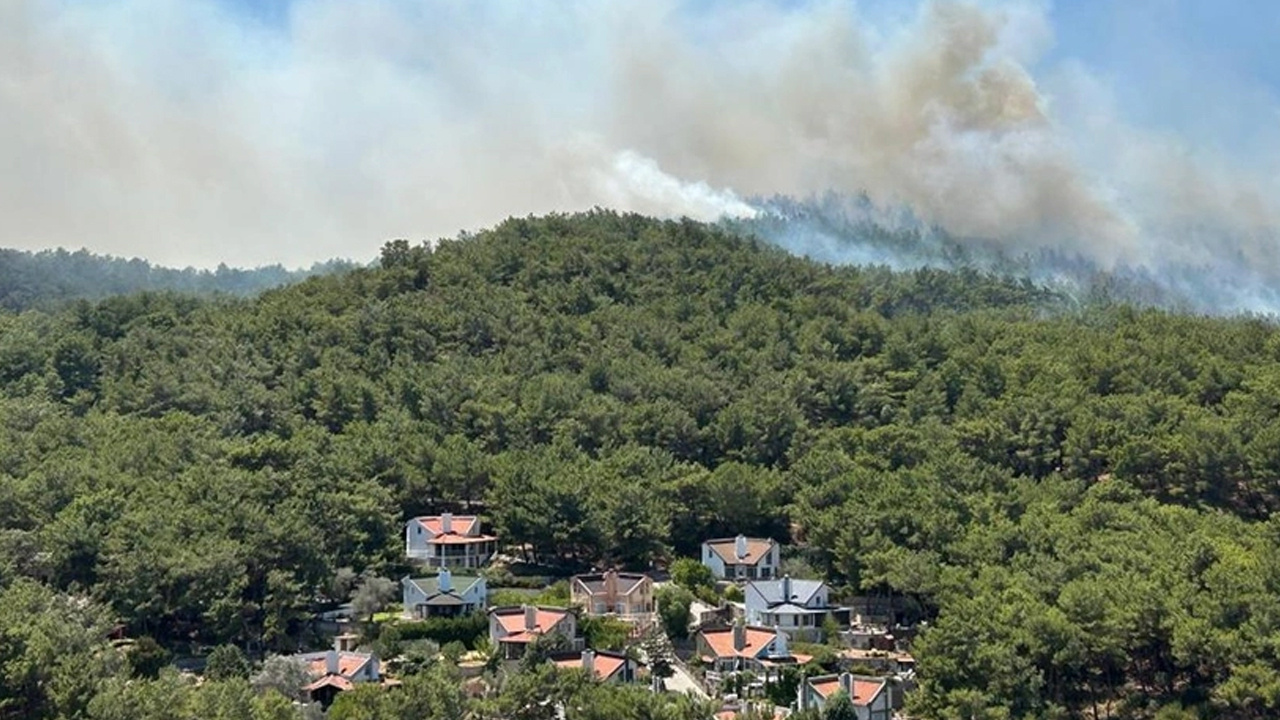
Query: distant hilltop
pixel 42 279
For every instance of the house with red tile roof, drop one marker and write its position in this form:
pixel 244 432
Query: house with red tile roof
pixel 742 558
pixel 511 629
pixel 870 695
pixel 625 595
pixel 605 666
pixel 448 540
pixel 339 669
pixel 740 647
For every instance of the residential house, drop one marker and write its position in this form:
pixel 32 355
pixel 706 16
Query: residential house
pixel 870 695
pixel 339 669
pixel 448 540
pixel 511 629
pixel 605 666
pixel 445 595
pixel 626 595
pixel 797 607
pixel 742 558
pixel 740 648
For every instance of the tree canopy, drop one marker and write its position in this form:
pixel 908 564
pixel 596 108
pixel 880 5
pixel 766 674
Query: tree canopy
pixel 1076 498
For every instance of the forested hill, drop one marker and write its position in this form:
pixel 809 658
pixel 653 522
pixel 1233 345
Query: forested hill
pixel 42 279
pixel 1078 500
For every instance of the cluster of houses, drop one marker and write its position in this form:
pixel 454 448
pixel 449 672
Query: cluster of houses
pixel 754 639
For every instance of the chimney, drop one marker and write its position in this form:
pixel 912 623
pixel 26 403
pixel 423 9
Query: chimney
pixel 786 588
pixel 780 648
pixel 331 662
pixel 530 618
pixel 446 523
pixel 846 684
pixel 740 546
pixel 611 584
pixel 344 642
pixel 444 580
pixel 739 635
pixel 589 661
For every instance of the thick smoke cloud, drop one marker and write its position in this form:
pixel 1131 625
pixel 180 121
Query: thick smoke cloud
pixel 184 132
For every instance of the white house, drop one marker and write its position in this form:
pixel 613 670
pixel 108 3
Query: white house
pixel 870 695
pixel 797 607
pixel 742 558
pixel 448 540
pixel 445 595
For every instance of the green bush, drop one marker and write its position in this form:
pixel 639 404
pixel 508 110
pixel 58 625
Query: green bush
pixel 467 629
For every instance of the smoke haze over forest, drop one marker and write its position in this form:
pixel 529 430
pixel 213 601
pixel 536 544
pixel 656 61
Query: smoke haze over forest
pixel 256 132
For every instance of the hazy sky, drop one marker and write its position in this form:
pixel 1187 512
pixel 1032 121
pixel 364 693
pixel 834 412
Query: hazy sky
pixel 258 131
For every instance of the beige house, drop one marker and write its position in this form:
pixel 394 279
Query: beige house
pixel 625 595
pixel 512 629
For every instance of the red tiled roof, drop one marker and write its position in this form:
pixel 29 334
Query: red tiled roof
pixel 721 642
pixel 461 524
pixel 513 622
pixel 455 539
pixel 336 681
pixel 605 665
pixel 864 691
pixel 463 530
pixel 348 664
pixel 727 549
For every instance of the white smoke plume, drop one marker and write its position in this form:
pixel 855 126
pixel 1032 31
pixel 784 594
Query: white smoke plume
pixel 182 131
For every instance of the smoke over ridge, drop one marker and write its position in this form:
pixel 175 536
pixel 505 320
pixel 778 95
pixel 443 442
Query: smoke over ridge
pixel 188 133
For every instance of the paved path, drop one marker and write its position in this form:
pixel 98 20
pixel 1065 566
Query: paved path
pixel 683 682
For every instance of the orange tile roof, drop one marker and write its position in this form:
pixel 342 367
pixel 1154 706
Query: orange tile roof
pixel 330 681
pixel 512 620
pixel 455 539
pixel 348 664
pixel 728 550
pixel 463 530
pixel 605 665
pixel 864 691
pixel 721 642
pixel 461 524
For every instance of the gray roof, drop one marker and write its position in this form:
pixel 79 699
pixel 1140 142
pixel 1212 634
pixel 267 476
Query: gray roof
pixel 801 590
pixel 458 587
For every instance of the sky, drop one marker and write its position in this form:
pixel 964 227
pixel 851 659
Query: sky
pixel 194 132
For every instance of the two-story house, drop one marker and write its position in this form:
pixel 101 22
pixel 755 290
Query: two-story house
pixel 448 540
pixel 339 669
pixel 626 595
pixel 511 629
pixel 605 666
pixel 740 647
pixel 870 695
pixel 742 558
pixel 445 595
pixel 796 607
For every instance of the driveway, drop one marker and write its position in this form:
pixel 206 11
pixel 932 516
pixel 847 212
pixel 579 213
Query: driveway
pixel 683 682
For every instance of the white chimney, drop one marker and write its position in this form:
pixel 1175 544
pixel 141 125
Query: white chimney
pixel 786 588
pixel 331 662
pixel 444 580
pixel 846 683
pixel 780 648
pixel 589 661
pixel 740 546
pixel 446 523
pixel 530 618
